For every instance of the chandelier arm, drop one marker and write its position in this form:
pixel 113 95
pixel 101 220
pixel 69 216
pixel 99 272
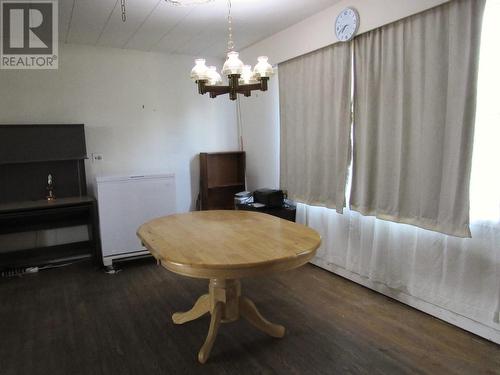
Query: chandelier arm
pixel 262 86
pixel 201 86
pixel 213 95
pixel 233 89
pixel 219 90
pixel 233 85
pixel 263 83
pixel 248 87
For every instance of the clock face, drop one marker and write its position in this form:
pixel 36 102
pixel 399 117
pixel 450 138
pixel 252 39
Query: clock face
pixel 347 24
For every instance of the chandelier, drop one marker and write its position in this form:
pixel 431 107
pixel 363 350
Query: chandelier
pixel 241 79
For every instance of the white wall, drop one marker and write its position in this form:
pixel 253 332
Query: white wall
pixel 317 31
pixel 140 110
pixel 261 137
pixel 260 121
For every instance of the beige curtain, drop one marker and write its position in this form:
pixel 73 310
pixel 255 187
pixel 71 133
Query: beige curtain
pixel 315 126
pixel 415 100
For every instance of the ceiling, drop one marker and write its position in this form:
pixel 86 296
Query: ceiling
pixel 199 30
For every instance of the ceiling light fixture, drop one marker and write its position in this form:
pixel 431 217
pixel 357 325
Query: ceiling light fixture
pixel 241 78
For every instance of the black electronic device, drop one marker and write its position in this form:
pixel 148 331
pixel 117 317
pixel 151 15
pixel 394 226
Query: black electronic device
pixel 269 197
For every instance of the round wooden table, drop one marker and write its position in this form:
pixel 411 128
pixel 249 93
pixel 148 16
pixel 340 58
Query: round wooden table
pixel 225 246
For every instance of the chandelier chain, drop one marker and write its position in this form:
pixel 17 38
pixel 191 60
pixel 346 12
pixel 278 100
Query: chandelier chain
pixel 230 42
pixel 124 10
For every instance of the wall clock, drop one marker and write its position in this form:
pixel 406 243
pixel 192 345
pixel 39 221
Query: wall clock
pixel 347 24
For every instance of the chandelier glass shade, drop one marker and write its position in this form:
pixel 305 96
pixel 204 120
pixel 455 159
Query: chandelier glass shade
pixel 233 64
pixel 241 78
pixel 247 76
pixel 214 78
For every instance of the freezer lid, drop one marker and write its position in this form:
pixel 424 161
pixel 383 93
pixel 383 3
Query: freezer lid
pixel 134 177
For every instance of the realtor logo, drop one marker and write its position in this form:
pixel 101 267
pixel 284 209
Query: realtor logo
pixel 29 37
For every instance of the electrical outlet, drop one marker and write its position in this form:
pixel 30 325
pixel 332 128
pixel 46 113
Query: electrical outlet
pixel 97 157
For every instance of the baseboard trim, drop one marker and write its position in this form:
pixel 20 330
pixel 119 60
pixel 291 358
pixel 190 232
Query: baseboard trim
pixel 448 316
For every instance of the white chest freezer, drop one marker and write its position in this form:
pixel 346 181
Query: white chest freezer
pixel 127 202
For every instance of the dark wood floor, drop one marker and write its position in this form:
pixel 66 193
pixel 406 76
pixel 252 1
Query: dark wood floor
pixel 78 320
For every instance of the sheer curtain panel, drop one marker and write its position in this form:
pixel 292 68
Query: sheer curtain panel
pixel 415 101
pixel 315 105
pixel 455 279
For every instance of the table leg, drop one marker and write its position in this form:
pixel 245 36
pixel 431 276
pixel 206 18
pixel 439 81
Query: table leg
pixel 249 311
pixel 200 308
pixel 225 304
pixel 215 321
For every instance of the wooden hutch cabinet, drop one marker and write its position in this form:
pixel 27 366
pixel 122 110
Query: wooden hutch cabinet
pixel 222 175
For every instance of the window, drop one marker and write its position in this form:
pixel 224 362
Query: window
pixel 485 180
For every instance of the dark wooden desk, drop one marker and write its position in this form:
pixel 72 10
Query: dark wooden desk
pixel 28 154
pixel 287 213
pixel 28 216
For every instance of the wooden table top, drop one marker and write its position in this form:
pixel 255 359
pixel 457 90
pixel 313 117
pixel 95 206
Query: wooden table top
pixel 228 244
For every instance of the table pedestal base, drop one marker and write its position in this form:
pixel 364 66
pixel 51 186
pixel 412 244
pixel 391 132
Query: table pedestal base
pixel 225 304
